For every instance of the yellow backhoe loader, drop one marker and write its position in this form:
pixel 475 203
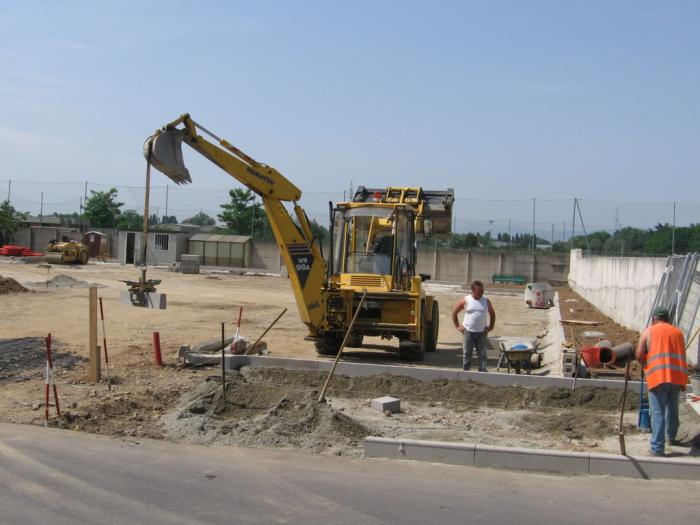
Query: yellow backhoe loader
pixel 67 251
pixel 372 246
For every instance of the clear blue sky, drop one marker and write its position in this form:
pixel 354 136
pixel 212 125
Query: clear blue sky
pixel 510 100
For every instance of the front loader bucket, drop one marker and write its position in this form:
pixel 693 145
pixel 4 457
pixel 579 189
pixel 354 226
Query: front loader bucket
pixel 166 155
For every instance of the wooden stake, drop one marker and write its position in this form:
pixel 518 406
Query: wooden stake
pixel 94 368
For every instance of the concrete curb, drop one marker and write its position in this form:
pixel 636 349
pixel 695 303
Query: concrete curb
pixel 530 459
pixel 423 373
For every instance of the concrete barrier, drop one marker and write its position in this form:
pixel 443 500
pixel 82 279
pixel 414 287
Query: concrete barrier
pixel 423 373
pixel 530 459
pixel 623 288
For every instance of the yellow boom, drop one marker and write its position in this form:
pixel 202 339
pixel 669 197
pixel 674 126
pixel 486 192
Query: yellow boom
pixel 302 255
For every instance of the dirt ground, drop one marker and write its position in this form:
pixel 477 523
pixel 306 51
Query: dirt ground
pixel 150 401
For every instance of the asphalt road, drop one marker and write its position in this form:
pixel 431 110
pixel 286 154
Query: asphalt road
pixel 55 477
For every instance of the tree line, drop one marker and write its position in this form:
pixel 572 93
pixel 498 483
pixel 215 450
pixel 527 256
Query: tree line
pixel 242 215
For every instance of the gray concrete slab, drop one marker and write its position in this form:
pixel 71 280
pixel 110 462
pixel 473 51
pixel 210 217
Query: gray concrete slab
pixel 423 373
pixel 531 459
pixel 538 460
pixel 420 450
pixel 392 404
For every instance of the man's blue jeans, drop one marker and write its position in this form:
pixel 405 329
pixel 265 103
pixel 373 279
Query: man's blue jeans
pixel 663 402
pixel 469 342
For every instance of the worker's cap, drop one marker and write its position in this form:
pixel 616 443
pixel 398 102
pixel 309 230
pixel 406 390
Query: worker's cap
pixel 661 313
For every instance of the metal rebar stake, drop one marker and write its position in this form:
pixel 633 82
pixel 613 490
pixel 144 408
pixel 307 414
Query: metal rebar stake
pixel 322 395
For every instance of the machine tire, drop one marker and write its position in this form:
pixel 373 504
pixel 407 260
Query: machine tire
pixel 411 351
pixel 328 345
pixel 431 330
pixel 354 341
pixel 84 257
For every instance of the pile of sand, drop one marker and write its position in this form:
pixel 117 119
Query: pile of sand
pixel 9 285
pixel 263 416
pixel 65 281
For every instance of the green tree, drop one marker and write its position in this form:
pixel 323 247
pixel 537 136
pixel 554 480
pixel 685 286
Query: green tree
pixel 201 219
pixel 319 231
pixel 10 221
pixel 102 208
pixel 243 216
pixel 168 219
pixel 130 220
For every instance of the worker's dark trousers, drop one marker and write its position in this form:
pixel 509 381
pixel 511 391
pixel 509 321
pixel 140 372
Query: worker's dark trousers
pixel 471 340
pixel 663 401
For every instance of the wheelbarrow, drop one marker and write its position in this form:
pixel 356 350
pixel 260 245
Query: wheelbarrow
pixel 517 356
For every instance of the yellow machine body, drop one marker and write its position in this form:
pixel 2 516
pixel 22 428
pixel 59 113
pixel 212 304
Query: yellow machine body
pixel 372 246
pixel 67 252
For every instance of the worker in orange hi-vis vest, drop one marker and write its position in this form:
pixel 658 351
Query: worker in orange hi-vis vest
pixel 661 350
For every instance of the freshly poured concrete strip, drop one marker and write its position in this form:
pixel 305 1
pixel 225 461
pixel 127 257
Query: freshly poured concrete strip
pixel 558 461
pixel 424 373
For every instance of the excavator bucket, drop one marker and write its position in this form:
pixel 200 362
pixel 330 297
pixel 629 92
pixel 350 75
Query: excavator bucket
pixel 438 208
pixel 435 205
pixel 166 155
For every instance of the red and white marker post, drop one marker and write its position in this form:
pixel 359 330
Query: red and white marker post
pixel 238 329
pixel 49 382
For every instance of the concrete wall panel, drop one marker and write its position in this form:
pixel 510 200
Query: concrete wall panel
pixel 623 288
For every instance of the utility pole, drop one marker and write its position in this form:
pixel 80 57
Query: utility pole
pixel 252 220
pixel 9 190
pixel 41 211
pixel 534 237
pixel 166 199
pixel 82 216
pixel 563 231
pixel 509 240
pixel 552 237
pixel 673 231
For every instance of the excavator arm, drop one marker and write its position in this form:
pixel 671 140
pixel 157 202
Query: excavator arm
pixel 301 253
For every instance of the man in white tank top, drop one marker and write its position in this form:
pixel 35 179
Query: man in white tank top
pixel 479 320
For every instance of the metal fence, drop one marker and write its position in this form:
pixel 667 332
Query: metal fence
pixel 552 220
pixel 679 292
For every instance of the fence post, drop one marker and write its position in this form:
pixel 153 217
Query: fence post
pixel 435 261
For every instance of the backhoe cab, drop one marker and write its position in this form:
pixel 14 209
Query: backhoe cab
pixel 373 246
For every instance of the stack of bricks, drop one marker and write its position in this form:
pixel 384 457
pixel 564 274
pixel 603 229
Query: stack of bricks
pixel 568 361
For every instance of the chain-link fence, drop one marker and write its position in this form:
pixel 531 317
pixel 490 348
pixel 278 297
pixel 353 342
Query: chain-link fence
pixel 499 223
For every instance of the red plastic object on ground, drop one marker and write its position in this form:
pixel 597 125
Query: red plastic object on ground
pixel 595 356
pixel 591 356
pixel 156 349
pixel 11 250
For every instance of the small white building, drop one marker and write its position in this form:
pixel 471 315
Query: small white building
pixel 166 243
